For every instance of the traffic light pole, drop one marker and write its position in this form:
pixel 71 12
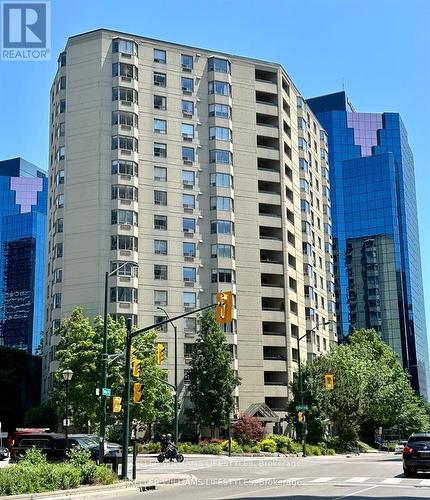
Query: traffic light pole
pixel 126 418
pixel 103 381
pixel 301 392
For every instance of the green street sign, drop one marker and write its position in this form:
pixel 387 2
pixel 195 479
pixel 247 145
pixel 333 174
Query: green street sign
pixel 106 391
pixel 301 407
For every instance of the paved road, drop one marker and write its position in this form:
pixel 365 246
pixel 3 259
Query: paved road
pixel 324 478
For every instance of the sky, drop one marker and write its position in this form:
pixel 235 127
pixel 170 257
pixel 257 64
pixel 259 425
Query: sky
pixel 378 49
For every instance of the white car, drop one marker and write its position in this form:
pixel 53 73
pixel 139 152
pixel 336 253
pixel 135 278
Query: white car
pixel 398 450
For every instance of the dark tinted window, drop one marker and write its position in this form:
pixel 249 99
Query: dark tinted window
pixel 417 440
pixel 60 444
pixel 29 442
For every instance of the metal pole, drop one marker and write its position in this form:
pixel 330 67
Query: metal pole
pixel 176 386
pixel 67 415
pixel 134 459
pixel 301 394
pixel 229 435
pixel 103 379
pixel 126 419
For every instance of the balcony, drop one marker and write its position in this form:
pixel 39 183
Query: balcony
pixel 278 404
pixel 273 304
pixel 269 233
pixel 271 257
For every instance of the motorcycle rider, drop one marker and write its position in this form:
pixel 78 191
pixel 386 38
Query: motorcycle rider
pixel 171 450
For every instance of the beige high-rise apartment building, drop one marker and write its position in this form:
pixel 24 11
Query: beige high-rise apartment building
pixel 209 172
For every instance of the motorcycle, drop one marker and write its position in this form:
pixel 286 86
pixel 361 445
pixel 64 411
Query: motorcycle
pixel 170 454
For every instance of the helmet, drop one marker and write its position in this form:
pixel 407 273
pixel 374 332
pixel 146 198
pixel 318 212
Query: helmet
pixel 163 436
pixel 169 436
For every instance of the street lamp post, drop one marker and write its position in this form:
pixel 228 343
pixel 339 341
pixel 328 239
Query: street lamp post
pixel 176 424
pixel 104 359
pixel 67 377
pixel 301 381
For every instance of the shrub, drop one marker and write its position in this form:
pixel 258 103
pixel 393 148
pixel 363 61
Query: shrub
pixel 255 448
pixel 312 449
pixel 247 448
pixel 80 459
pixel 104 475
pixel 282 442
pixel 149 447
pixel 268 445
pixel 235 447
pixel 295 447
pixel 65 477
pixel 331 451
pixel 248 430
pixel 33 457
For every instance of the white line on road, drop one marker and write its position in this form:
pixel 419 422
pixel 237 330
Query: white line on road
pixel 357 480
pixel 355 493
pixel 322 480
pixel 392 480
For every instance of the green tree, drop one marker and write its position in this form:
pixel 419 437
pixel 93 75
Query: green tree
pixel 212 378
pixel 42 416
pixel 79 350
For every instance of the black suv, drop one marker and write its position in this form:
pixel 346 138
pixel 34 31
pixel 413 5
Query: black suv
pixel 51 444
pixel 416 454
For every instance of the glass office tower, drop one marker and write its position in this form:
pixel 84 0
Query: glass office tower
pixel 375 230
pixel 23 208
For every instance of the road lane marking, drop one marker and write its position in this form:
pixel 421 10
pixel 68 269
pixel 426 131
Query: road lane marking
pixel 392 480
pixel 322 479
pixel 355 493
pixel 357 480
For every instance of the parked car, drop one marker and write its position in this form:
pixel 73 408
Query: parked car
pixel 91 443
pixel 416 454
pixel 398 450
pixel 23 430
pixel 4 453
pixel 51 444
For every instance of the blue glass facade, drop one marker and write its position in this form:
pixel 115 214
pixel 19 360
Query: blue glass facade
pixel 375 230
pixel 23 209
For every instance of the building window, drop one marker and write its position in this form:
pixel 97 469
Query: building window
pixel 123 242
pixel 301 123
pixel 62 59
pixel 189 300
pixel 58 275
pixel 58 250
pixel 124 118
pixel 187 131
pixel 124 142
pixel 219 88
pixel 222 227
pixel 160 126
pixel 222 276
pixel 188 249
pixel 220 133
pixel 219 65
pixel 189 274
pixel 123 294
pixel 160 102
pixel 57 300
pixel 129 269
pixel 160 56
pixel 62 106
pixel 160 319
pixel 188 178
pixel 187 154
pixel 304 185
pixel 160 297
pixel 305 206
pixel 303 145
pixel 303 165
pixel 186 62
pixel 59 201
pixel 220 156
pixel 59 178
pixel 124 47
pixel 160 272
pixel 187 108
pixel 124 94
pixel 61 153
pixel 160 174
pixel 222 203
pixel 221 180
pixel 222 251
pixel 62 83
pixel 160 247
pixel 160 150
pixel 125 70
pixel 188 201
pixel 187 85
pixel 58 226
pixel 61 130
pixel 123 192
pixel 188 225
pixel 160 222
pixel 160 79
pixel 220 110
pixel 160 198
pixel 125 167
pixel 190 325
pixel 124 217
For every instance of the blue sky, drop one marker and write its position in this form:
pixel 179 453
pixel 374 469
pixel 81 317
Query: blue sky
pixel 379 48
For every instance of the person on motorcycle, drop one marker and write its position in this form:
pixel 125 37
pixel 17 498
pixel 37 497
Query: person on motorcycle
pixel 164 443
pixel 171 450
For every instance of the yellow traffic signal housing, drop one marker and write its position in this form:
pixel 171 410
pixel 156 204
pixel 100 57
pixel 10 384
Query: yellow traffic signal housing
pixel 116 404
pixel 160 353
pixel 329 382
pixel 137 392
pixel 132 356
pixel 300 416
pixel 224 307
pixel 135 367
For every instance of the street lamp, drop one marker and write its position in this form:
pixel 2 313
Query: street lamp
pixel 176 373
pixel 104 358
pixel 300 379
pixel 67 377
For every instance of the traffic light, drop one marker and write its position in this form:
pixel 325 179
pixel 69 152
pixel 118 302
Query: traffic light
pixel 132 356
pixel 116 404
pixel 161 353
pixel 137 392
pixel 224 307
pixel 329 382
pixel 135 367
pixel 301 416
